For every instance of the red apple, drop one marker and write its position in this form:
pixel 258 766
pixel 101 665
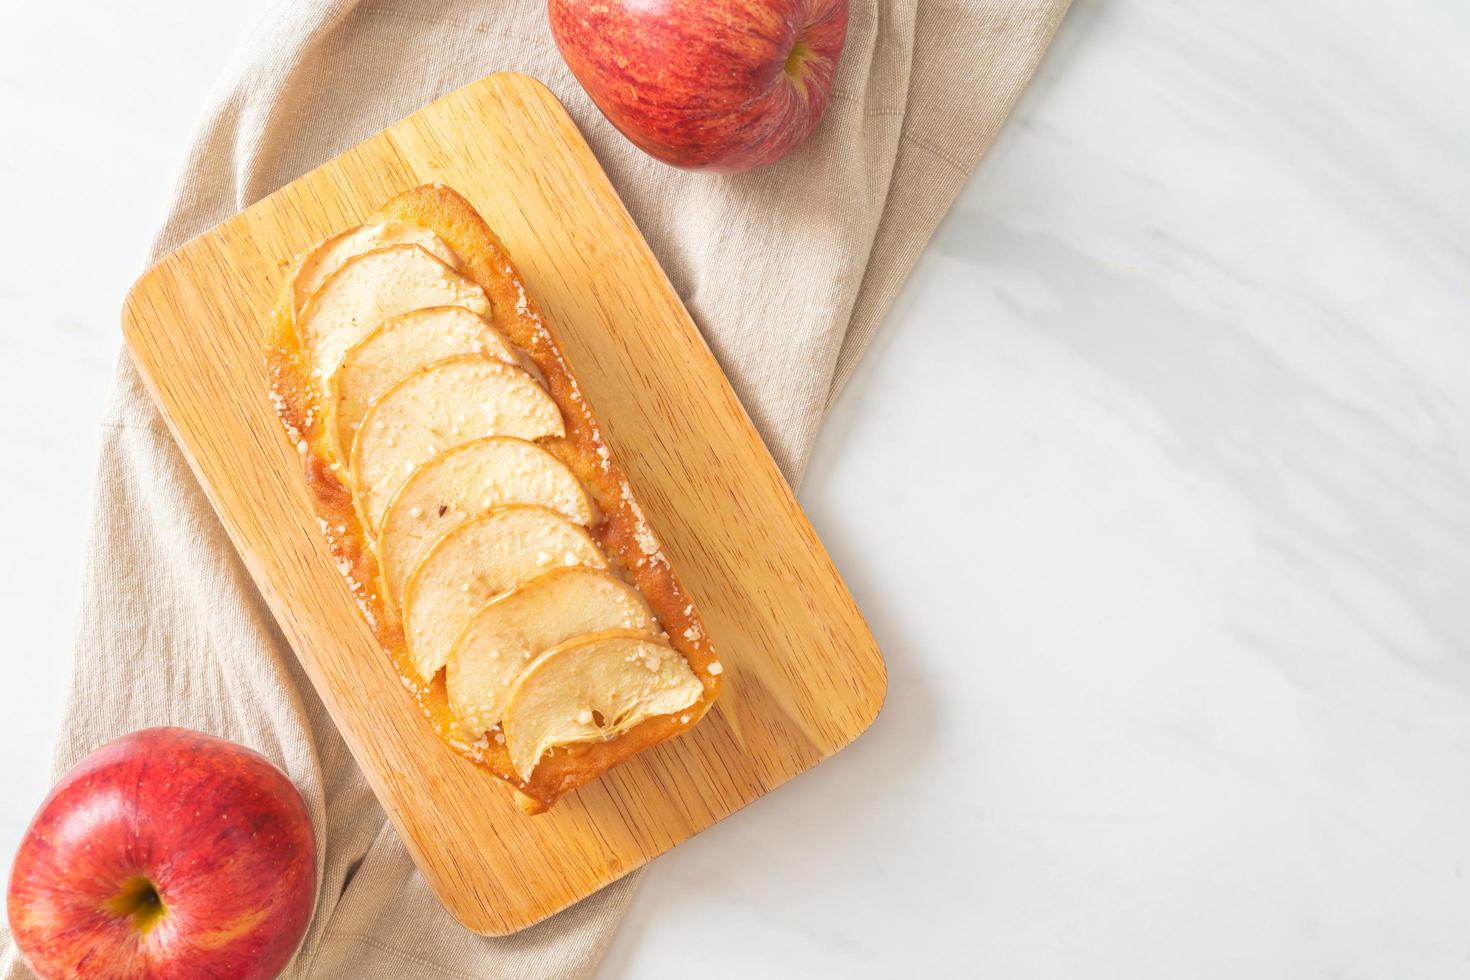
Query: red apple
pixel 165 853
pixel 723 85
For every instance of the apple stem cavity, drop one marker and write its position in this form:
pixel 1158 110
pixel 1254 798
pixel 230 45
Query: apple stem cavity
pixel 138 899
pixel 795 67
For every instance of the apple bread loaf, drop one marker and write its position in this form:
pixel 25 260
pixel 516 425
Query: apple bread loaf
pixel 465 491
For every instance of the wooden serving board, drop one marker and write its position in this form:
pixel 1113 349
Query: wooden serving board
pixel 803 676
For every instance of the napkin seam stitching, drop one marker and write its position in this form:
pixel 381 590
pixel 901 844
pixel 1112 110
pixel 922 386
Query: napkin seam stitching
pixel 910 138
pixel 385 947
pixel 848 97
pixel 153 427
pixel 424 19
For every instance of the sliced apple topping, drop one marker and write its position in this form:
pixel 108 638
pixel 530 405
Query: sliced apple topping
pixel 470 479
pixel 593 688
pixel 370 288
pixel 508 632
pixel 396 349
pixel 330 255
pixel 436 408
pixel 477 561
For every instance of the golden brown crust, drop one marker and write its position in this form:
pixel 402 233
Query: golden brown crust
pixel 621 533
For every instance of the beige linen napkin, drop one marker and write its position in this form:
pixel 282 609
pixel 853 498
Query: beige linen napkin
pixel 787 270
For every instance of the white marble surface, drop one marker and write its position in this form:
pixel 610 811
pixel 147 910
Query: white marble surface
pixel 1155 488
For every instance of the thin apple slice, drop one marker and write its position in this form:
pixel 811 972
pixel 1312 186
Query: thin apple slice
pixel 508 632
pixel 477 561
pixel 438 407
pixel 397 348
pixel 370 288
pixel 330 255
pixel 470 479
pixel 593 688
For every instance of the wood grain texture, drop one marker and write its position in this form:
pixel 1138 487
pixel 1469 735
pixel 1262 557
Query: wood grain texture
pixel 803 675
